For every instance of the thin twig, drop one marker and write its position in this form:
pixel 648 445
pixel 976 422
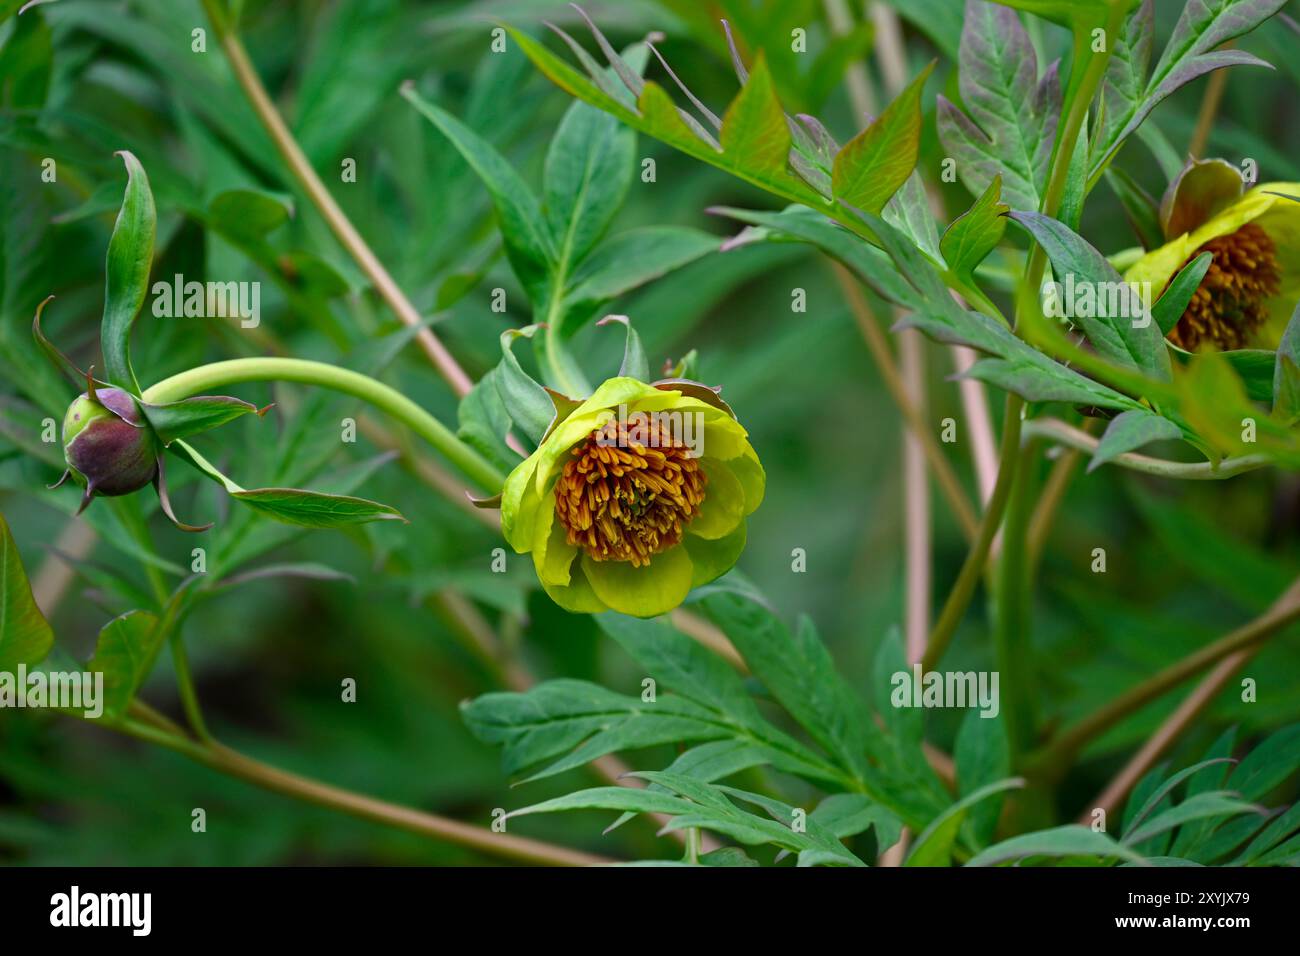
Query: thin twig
pixel 1209 109
pixel 335 218
pixel 1284 611
pixel 226 760
pixel 963 590
pixel 894 384
pixel 1168 732
pixel 1054 489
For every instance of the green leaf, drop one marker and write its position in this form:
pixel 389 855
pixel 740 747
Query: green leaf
pixel 527 403
pixel 868 263
pixel 1171 305
pixel 635 364
pixel 1140 208
pixel 1013 110
pixel 1012 364
pixel 192 416
pixel 910 212
pixel 627 261
pixel 982 756
pixel 125 654
pixel 589 168
pixel 130 257
pixel 25 635
pixel 975 233
pixel 874 164
pixel 1192 51
pixel 1130 340
pixel 1162 791
pixel 243 214
pixel 550 721
pixel 1286 374
pixel 683 666
pixel 657 116
pixel 1216 804
pixel 523 227
pixel 709 762
pixel 934 846
pixel 26 61
pixel 754 131
pixel 1076 14
pixel 848 814
pixel 1064 841
pixel 314 509
pixel 484 421
pixel 800 674
pixel 1131 430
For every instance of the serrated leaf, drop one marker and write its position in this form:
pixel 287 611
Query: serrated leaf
pixel 25 635
pixel 1129 431
pixel 1013 111
pixel 976 233
pixel 126 272
pixel 1192 51
pixel 1012 364
pixel 873 165
pixel 1130 340
pixel 314 509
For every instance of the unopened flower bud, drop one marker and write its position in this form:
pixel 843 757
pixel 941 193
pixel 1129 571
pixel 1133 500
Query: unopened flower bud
pixel 109 447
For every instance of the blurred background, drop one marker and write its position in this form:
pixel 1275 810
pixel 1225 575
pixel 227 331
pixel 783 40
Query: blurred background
pixel 384 604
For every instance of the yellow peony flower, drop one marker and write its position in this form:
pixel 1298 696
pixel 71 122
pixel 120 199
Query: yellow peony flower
pixel 634 497
pixel 1253 284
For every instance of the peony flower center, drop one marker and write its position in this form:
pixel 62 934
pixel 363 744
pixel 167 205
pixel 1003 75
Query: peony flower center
pixel 626 497
pixel 1229 305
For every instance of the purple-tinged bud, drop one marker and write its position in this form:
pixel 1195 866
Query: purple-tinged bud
pixel 109 447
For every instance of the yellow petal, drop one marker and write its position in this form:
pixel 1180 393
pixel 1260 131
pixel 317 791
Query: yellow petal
pixel 642 592
pixel 724 502
pixel 578 597
pixel 710 559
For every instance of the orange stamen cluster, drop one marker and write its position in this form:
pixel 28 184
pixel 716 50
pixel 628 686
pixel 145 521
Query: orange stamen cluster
pixel 621 500
pixel 1229 305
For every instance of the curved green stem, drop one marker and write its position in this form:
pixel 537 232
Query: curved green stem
pixel 206 378
pixel 1066 434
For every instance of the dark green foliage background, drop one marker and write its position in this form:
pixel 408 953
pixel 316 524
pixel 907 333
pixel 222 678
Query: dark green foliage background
pixel 1185 561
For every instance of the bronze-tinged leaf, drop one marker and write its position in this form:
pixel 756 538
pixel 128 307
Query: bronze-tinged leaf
pixel 874 164
pixel 754 131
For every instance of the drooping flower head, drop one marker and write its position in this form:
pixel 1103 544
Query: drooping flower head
pixel 634 497
pixel 1253 281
